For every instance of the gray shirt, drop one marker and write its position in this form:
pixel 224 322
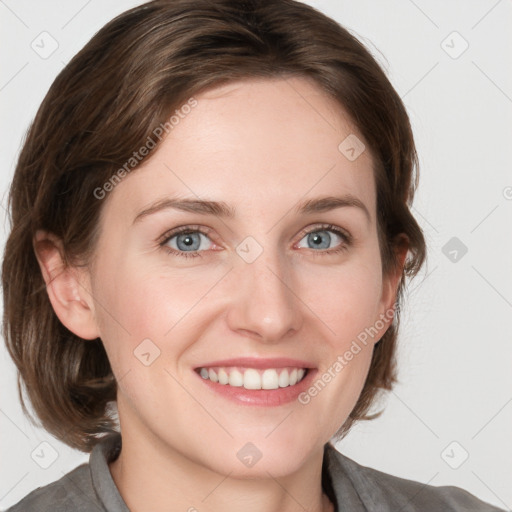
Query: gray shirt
pixel 350 486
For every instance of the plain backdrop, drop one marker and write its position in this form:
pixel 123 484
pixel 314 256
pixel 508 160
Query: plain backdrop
pixel 448 421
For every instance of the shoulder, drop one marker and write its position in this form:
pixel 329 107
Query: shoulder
pixel 74 491
pixel 382 491
pixel 89 487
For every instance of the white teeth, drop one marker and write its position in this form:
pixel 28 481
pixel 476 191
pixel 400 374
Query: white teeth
pixel 223 376
pixel 269 379
pixel 236 379
pixel 251 378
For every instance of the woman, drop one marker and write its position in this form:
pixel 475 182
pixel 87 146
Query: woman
pixel 210 234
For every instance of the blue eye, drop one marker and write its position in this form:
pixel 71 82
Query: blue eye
pixel 187 241
pixel 192 241
pixel 323 238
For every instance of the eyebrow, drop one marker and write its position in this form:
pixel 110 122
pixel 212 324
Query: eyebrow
pixel 222 209
pixel 325 204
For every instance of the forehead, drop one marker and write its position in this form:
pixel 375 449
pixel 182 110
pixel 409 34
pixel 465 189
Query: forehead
pixel 257 144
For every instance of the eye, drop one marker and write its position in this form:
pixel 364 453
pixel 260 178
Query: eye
pixel 327 238
pixel 187 241
pixel 193 241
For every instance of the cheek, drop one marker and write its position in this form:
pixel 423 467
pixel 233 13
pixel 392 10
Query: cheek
pixel 136 302
pixel 346 300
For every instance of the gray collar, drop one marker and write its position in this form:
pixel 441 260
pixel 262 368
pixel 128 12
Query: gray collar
pixel 104 452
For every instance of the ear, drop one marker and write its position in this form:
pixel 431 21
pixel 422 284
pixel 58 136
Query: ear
pixel 391 281
pixel 68 287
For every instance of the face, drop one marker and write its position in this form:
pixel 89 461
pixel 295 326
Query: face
pixel 244 251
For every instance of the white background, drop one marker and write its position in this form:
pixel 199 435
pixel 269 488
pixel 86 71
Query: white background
pixel 455 349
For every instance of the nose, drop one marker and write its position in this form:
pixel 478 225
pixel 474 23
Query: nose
pixel 265 303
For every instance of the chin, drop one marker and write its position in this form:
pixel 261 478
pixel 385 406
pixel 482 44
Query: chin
pixel 258 456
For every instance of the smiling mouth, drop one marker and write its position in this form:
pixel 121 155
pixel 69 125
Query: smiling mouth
pixel 253 378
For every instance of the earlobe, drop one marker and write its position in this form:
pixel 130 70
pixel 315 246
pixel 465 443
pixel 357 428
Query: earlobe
pixel 66 287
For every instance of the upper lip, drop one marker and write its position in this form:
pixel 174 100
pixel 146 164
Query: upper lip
pixel 259 362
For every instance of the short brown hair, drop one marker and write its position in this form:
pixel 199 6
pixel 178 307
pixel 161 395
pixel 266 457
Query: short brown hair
pixel 106 103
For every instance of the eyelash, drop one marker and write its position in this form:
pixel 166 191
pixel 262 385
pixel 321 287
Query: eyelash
pixel 345 244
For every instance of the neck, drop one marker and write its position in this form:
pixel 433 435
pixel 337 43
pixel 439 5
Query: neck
pixel 158 478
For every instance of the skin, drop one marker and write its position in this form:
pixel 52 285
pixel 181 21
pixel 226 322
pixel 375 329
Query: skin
pixel 261 146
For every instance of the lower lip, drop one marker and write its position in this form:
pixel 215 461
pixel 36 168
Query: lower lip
pixel 261 397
